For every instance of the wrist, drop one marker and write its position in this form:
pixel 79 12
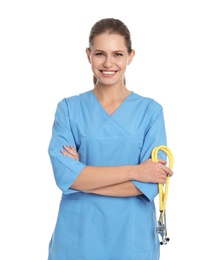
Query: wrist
pixel 133 172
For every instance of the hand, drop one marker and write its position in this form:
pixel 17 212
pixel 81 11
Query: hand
pixel 155 172
pixel 70 152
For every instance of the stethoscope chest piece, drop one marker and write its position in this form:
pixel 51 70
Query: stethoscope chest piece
pixel 162 229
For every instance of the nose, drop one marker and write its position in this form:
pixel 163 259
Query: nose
pixel 108 62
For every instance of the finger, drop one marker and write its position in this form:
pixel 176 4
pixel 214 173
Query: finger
pixel 65 153
pixel 163 177
pixel 170 172
pixel 72 148
pixel 162 161
pixel 69 150
pixel 74 152
pixel 162 181
pixel 167 170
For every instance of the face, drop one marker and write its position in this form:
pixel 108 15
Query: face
pixel 109 58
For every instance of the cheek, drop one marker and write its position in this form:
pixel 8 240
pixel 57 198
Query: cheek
pixel 123 64
pixel 94 66
pixel 95 62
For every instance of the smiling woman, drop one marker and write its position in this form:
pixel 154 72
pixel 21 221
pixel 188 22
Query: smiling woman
pixel 109 58
pixel 100 152
pixel 112 29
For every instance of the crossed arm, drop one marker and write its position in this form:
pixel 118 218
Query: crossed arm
pixel 116 180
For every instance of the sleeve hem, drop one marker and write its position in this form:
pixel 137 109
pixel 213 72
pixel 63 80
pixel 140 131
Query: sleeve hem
pixel 150 190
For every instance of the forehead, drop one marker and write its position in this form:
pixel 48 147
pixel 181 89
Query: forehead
pixel 108 41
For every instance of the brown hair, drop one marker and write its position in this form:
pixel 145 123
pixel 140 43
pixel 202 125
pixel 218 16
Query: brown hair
pixel 111 26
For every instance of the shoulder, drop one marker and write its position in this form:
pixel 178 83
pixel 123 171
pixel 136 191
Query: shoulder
pixel 78 97
pixel 147 102
pixel 75 99
pixel 70 104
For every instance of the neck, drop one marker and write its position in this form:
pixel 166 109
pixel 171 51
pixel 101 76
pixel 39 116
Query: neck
pixel 111 93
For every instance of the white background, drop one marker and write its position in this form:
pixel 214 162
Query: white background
pixel 42 60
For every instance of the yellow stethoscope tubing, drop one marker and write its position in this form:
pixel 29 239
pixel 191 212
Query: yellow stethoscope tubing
pixel 163 189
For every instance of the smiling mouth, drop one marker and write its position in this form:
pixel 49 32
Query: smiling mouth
pixel 107 72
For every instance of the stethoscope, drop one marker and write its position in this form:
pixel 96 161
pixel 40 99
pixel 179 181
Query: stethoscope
pixel 163 192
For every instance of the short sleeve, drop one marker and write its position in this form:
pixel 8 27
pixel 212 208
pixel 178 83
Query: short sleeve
pixel 155 136
pixel 65 169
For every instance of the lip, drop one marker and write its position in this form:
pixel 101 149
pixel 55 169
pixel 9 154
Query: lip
pixel 108 73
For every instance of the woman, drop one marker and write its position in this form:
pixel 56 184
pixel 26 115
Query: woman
pixel 100 152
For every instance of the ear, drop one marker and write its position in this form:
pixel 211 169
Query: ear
pixel 88 54
pixel 131 56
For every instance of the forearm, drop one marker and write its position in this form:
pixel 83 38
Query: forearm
pixel 125 189
pixel 96 177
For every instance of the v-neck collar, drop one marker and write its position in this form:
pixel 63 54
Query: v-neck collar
pixel 102 108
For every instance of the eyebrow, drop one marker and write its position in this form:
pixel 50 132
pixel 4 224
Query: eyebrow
pixel 113 51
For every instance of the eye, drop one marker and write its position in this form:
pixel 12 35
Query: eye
pixel 118 54
pixel 99 54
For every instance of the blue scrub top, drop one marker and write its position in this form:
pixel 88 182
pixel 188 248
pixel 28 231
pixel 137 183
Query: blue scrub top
pixel 95 227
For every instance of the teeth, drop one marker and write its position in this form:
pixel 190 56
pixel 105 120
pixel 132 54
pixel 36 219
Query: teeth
pixel 108 72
